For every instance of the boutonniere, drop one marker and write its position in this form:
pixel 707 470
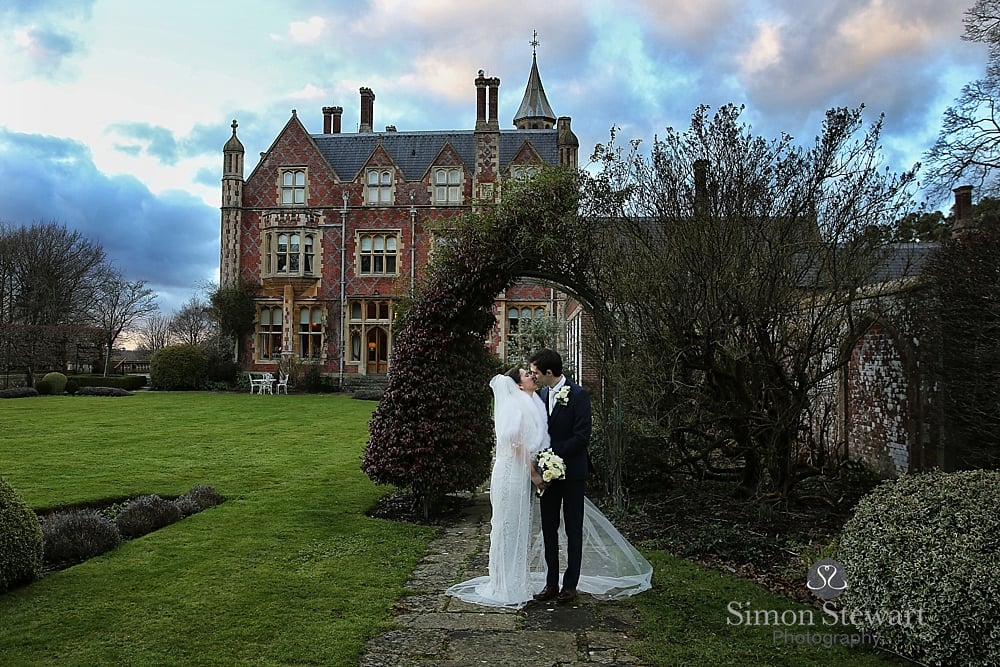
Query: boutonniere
pixel 562 396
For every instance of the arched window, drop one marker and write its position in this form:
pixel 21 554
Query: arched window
pixel 310 332
pixel 269 333
pixel 293 187
pixel 377 254
pixel 447 186
pixel 379 186
pixel 290 253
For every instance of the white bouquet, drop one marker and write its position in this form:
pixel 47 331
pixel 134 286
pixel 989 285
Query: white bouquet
pixel 550 466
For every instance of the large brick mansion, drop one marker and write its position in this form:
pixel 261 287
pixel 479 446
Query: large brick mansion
pixel 331 227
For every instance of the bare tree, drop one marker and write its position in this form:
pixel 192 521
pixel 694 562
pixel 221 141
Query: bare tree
pixel 120 305
pixel 153 333
pixel 50 274
pixel 48 279
pixel 734 270
pixel 968 146
pixel 193 323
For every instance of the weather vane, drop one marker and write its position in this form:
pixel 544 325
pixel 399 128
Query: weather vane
pixel 534 42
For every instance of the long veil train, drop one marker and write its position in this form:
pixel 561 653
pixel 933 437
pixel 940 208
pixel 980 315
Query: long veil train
pixel 611 568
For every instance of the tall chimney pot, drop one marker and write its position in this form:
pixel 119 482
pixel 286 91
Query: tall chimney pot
pixel 963 205
pixel 327 113
pixel 337 113
pixel 494 84
pixel 367 110
pixel 480 99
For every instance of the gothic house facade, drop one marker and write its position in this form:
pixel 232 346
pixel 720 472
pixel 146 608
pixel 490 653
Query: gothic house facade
pixel 330 226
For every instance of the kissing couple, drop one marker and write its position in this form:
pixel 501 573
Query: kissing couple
pixel 531 537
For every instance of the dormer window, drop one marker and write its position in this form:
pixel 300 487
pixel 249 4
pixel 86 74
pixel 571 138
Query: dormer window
pixel 293 187
pixel 379 187
pixel 447 186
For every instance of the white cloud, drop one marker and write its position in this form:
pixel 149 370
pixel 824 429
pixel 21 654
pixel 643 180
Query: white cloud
pixel 303 32
pixel 764 51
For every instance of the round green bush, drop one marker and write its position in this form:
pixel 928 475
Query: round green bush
pixel 73 536
pixel 72 386
pixel 178 367
pixel 930 545
pixel 44 388
pixel 20 540
pixel 58 382
pixel 146 514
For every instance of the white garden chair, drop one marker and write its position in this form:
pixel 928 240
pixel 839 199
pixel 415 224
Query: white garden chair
pixel 282 383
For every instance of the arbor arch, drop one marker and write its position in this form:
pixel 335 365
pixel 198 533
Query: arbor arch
pixel 432 432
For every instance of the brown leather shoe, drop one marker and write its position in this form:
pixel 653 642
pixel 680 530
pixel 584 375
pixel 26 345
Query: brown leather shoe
pixel 548 593
pixel 566 595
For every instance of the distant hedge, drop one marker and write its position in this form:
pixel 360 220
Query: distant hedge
pixel 128 382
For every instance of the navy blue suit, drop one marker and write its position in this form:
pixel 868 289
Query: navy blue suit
pixel 569 430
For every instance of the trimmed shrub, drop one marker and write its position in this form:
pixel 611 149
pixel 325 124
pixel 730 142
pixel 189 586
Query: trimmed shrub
pixel 18 392
pixel 102 391
pixel 146 514
pixel 186 505
pixel 928 543
pixel 73 536
pixel 368 394
pixel 44 388
pixel 57 380
pixel 129 382
pixel 71 386
pixel 205 496
pixel 20 540
pixel 178 367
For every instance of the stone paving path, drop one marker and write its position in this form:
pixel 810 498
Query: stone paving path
pixel 441 631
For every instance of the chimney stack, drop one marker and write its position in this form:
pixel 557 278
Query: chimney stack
pixel 480 99
pixel 494 85
pixel 963 206
pixel 337 113
pixel 367 110
pixel 327 113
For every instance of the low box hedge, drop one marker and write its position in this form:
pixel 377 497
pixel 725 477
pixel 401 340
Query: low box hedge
pixel 127 382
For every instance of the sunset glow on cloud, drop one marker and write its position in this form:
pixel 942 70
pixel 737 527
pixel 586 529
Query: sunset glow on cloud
pixel 115 112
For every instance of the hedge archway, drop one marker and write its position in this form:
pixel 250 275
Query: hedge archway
pixel 432 432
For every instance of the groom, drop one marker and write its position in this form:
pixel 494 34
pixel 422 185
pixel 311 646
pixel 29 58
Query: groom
pixel 569 430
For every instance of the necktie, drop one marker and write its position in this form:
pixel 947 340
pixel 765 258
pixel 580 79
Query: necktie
pixel 552 400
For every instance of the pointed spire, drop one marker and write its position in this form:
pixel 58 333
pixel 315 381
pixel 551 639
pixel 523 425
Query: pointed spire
pixel 534 112
pixel 234 143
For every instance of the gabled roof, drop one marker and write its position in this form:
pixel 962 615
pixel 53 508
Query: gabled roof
pixel 415 152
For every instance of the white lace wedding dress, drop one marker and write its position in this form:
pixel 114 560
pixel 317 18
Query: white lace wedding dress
pixel 611 567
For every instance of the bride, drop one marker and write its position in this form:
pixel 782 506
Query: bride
pixel 611 568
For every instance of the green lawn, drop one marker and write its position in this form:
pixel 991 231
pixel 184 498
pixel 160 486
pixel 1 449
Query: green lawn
pixel 289 570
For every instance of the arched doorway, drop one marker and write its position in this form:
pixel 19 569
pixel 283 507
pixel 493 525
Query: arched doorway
pixel 377 354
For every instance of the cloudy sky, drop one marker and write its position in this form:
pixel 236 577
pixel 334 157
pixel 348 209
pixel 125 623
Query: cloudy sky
pixel 113 113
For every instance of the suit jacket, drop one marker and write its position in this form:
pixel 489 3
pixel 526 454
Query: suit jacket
pixel 569 429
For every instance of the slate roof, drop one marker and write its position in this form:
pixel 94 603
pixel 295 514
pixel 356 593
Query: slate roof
pixel 905 260
pixel 414 152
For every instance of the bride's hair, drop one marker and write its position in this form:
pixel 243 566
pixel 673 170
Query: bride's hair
pixel 515 375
